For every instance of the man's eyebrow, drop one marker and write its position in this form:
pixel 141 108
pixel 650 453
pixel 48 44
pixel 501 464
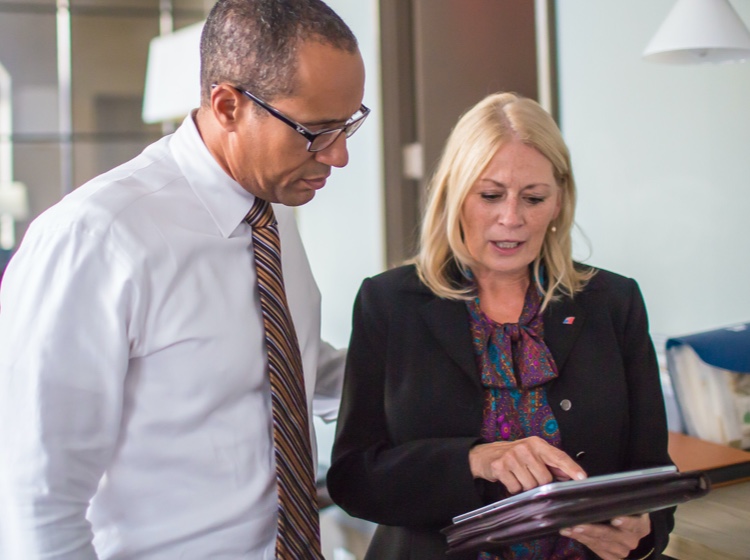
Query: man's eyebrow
pixel 326 122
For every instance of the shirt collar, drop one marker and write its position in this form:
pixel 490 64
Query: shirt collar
pixel 223 197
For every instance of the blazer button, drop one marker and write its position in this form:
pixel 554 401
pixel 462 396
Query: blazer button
pixel 565 404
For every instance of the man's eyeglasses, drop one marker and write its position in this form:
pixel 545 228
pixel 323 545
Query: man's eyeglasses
pixel 322 139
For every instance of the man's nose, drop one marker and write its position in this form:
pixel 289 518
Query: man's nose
pixel 335 155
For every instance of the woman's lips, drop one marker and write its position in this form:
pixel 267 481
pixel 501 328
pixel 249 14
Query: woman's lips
pixel 506 244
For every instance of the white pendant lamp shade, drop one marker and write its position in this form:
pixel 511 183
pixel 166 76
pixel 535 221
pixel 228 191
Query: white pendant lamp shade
pixel 173 75
pixel 698 31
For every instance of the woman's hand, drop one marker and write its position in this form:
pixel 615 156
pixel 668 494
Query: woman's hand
pixel 613 540
pixel 522 464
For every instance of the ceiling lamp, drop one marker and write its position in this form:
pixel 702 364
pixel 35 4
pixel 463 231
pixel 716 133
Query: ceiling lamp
pixel 172 87
pixel 697 31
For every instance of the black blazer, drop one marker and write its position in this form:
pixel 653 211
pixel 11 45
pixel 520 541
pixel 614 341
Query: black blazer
pixel 412 406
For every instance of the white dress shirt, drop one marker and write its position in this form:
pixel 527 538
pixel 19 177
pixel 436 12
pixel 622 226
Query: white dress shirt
pixel 135 415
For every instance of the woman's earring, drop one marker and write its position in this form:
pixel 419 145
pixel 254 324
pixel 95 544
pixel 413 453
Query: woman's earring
pixel 553 229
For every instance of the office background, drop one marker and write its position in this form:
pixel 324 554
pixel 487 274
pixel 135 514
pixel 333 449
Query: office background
pixel 661 153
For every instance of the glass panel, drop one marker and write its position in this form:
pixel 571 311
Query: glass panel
pixel 110 47
pixel 28 53
pixel 114 4
pixel 195 5
pixel 191 10
pixel 188 12
pixel 25 5
pixel 37 165
pixel 181 8
pixel 183 19
pixel 109 68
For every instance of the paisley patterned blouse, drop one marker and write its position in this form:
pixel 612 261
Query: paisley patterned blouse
pixel 515 364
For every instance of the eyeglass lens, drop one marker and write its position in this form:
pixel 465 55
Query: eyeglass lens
pixel 325 139
pixel 322 141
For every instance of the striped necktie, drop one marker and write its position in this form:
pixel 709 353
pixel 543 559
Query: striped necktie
pixel 298 526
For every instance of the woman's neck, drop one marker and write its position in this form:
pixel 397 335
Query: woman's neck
pixel 502 298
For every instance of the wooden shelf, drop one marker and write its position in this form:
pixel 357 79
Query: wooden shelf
pixel 723 464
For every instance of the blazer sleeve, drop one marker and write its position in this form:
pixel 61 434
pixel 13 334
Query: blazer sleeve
pixel 648 423
pixel 421 482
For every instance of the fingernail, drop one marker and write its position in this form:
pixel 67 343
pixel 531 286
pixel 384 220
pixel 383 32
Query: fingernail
pixel 566 532
pixel 580 476
pixel 617 522
pixel 578 530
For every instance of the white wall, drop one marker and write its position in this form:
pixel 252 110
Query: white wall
pixel 342 227
pixel 661 156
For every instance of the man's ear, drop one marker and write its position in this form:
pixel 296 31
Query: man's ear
pixel 226 107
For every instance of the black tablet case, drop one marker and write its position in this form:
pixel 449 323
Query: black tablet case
pixel 549 508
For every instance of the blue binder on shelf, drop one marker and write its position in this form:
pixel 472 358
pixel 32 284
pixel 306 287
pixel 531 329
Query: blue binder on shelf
pixel 710 374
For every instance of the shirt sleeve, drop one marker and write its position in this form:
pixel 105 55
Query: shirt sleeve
pixel 329 382
pixel 64 303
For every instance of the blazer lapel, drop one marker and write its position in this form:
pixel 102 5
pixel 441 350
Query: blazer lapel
pixel 449 323
pixel 563 321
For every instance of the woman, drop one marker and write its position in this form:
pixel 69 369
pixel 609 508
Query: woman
pixel 496 364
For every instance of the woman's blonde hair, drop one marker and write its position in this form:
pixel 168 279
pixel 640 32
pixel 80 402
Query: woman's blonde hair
pixel 443 261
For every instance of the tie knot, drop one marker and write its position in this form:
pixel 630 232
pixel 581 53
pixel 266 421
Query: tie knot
pixel 261 214
pixel 513 330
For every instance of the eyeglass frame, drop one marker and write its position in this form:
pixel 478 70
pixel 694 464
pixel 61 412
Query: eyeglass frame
pixel 308 134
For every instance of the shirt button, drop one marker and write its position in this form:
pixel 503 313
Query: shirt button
pixel 565 404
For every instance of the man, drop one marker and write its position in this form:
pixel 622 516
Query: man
pixel 135 402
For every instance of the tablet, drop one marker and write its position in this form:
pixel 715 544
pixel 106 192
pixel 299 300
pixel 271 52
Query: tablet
pixel 554 489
